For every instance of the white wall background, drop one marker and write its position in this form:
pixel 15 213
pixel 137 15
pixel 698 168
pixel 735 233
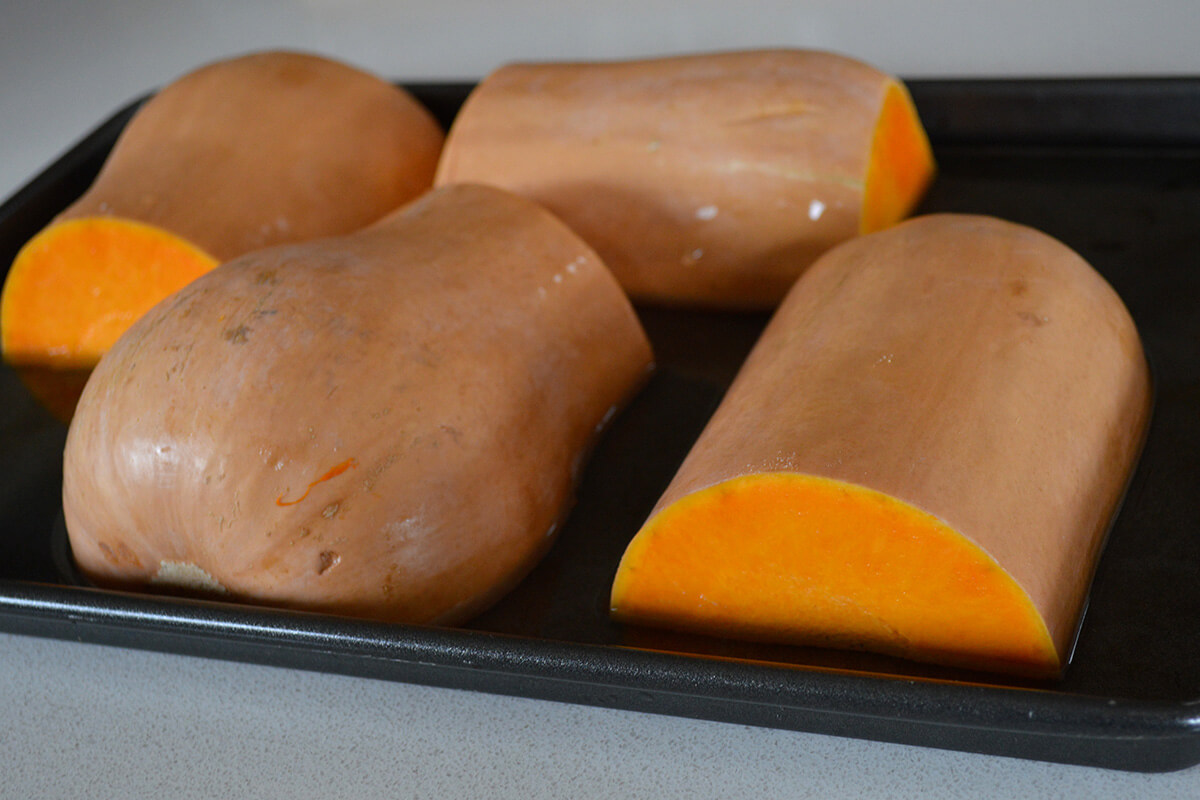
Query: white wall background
pixel 66 64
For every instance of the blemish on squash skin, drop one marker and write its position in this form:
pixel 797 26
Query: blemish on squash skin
pixel 368 483
pixel 121 554
pixel 327 560
pixel 393 577
pixel 187 576
pixel 237 335
pixel 337 469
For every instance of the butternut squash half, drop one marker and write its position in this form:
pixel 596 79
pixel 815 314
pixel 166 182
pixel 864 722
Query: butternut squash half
pixel 388 424
pixel 921 457
pixel 244 153
pixel 703 180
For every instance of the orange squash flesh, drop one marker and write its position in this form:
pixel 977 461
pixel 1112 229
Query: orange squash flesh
pixel 709 180
pixel 900 166
pixel 799 559
pixel 71 291
pixel 921 456
pixel 262 149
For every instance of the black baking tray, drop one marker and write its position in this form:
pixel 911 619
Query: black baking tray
pixel 1110 167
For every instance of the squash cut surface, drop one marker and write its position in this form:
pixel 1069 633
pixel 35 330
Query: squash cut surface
pixel 799 559
pixel 901 164
pixel 79 285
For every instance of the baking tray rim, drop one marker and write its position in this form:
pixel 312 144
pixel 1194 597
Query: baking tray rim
pixel 646 669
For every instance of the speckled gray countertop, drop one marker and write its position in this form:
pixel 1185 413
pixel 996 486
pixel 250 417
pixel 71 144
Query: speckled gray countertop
pixel 81 720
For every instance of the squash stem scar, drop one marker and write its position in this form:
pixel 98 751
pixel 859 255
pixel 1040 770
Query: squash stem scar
pixel 333 473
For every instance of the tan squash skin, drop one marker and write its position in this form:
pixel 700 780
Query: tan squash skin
pixel 264 149
pixel 973 369
pixel 705 180
pixel 388 424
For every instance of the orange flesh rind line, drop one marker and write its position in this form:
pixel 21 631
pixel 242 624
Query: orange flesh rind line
pixel 336 470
